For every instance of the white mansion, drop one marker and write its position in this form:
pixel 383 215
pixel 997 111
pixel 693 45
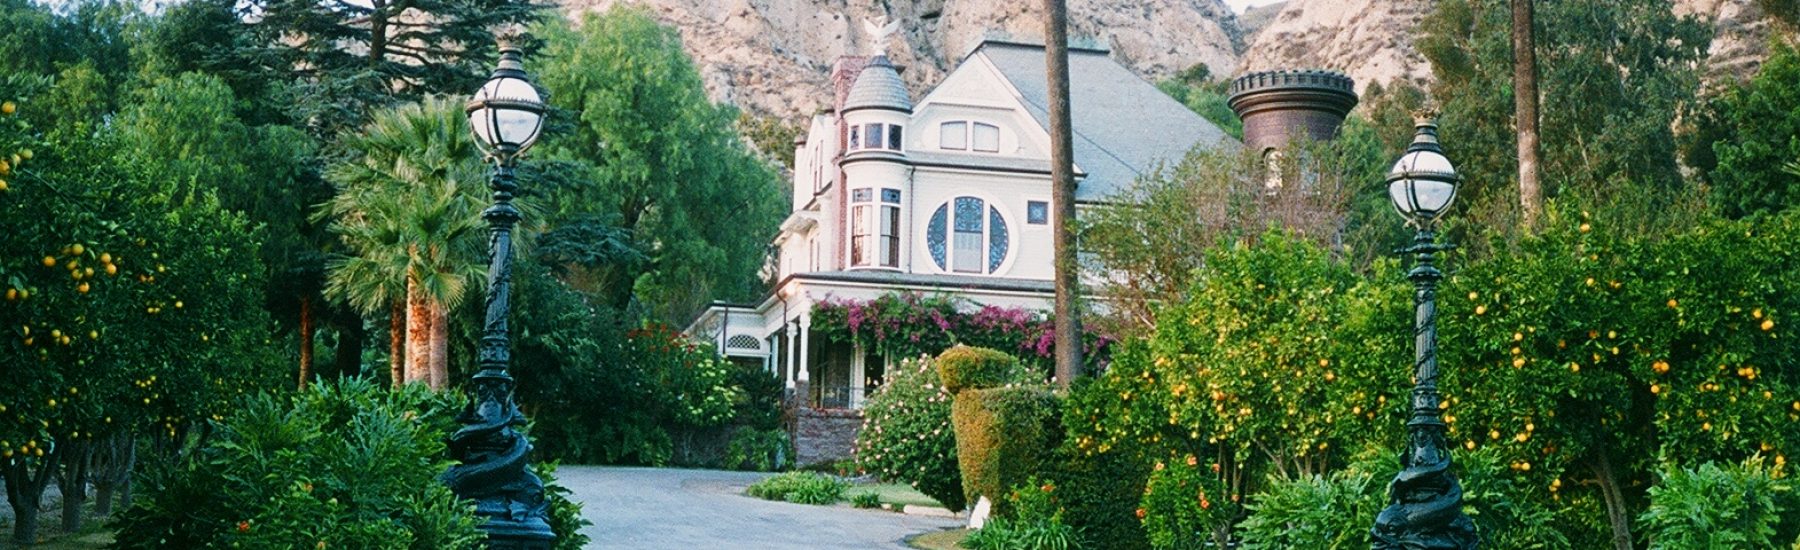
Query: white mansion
pixel 946 195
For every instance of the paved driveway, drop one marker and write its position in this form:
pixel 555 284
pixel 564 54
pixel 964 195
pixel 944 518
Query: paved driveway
pixel 652 508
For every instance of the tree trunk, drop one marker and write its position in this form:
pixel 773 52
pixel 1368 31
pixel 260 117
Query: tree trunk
pixel 25 492
pixel 72 479
pixel 113 462
pixel 440 347
pixel 1615 502
pixel 1062 178
pixel 397 343
pixel 306 339
pixel 1525 111
pixel 418 335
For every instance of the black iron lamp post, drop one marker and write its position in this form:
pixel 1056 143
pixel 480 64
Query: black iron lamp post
pixel 1425 502
pixel 506 114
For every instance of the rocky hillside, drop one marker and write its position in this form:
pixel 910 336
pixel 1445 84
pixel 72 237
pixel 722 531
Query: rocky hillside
pixel 772 56
pixel 1370 39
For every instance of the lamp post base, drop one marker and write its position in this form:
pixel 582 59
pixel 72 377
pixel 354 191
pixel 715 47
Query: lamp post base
pixel 531 534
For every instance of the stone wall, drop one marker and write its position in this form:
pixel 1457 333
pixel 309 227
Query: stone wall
pixel 824 435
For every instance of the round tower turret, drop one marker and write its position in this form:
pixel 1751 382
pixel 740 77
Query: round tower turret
pixel 1277 106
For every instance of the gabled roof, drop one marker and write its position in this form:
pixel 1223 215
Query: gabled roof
pixel 1123 125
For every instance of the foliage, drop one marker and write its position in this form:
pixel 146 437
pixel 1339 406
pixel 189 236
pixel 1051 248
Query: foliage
pixel 1003 435
pixel 1099 492
pixel 866 499
pixel 908 324
pixel 1195 89
pixel 341 465
pixel 1762 117
pixel 131 304
pixel 647 152
pixel 1713 507
pixel 906 436
pixel 1034 521
pixel 800 487
pixel 966 368
pixel 1153 236
pixel 1663 350
pixel 1186 505
pixel 762 450
pixel 661 386
pixel 1612 74
pixel 772 136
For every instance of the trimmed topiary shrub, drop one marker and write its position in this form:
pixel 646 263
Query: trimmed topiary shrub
pixel 1003 436
pixel 906 435
pixel 969 368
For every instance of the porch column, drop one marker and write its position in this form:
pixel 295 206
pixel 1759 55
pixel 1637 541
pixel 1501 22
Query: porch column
pixel 788 354
pixel 803 379
pixel 858 369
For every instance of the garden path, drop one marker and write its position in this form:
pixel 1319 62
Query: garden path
pixel 668 509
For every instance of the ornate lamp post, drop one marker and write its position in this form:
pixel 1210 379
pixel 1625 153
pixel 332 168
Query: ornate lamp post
pixel 1425 503
pixel 506 114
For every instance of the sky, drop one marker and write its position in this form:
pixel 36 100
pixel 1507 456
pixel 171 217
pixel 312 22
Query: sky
pixel 1240 5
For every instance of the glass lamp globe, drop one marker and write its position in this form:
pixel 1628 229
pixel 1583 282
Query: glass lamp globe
pixel 507 113
pixel 1422 184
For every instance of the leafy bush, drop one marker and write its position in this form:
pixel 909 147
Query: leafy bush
pixel 346 465
pixel 906 435
pixel 966 368
pixel 759 450
pixel 1716 508
pixel 800 487
pixel 1186 505
pixel 1100 493
pixel 1034 522
pixel 1002 436
pixel 866 499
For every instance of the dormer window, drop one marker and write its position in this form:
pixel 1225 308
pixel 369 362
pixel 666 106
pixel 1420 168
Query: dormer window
pixel 875 136
pixel 875 228
pixel 963 135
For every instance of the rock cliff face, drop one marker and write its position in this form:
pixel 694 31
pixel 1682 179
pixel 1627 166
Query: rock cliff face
pixel 772 56
pixel 1371 39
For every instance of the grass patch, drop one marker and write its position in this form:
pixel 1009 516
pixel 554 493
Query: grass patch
pixel 949 539
pixel 899 494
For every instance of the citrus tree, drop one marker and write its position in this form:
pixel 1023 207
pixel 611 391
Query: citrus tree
pixel 132 310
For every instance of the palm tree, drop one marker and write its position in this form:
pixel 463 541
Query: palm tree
pixel 409 210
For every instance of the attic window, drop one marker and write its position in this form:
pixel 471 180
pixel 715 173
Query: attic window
pixel 875 135
pixel 963 135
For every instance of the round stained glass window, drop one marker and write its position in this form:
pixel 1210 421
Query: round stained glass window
pixel 967 235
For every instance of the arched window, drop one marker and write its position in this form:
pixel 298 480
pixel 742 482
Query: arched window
pixel 967 235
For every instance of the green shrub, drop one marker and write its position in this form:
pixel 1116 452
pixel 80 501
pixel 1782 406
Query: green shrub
pixel 968 368
pixel 565 515
pixel 866 499
pixel 759 450
pixel 1101 490
pixel 1186 505
pixel 800 487
pixel 1034 522
pixel 1328 512
pixel 1003 435
pixel 346 465
pixel 906 435
pixel 1713 507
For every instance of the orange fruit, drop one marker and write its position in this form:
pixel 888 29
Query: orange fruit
pixel 49 261
pixel 8 108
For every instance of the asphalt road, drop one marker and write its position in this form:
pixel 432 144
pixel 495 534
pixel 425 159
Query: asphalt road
pixel 652 509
